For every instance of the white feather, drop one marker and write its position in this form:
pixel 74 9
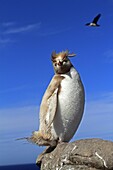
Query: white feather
pixel 70 106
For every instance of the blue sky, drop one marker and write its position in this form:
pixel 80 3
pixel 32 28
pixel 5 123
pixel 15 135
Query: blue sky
pixel 29 31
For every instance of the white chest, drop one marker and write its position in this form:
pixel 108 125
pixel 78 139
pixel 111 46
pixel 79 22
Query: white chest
pixel 70 106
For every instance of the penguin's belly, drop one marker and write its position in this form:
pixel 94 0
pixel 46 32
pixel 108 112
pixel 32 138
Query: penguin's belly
pixel 70 107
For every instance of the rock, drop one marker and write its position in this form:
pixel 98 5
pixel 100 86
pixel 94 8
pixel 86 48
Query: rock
pixel 85 154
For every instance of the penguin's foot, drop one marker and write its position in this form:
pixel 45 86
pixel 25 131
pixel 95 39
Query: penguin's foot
pixel 41 156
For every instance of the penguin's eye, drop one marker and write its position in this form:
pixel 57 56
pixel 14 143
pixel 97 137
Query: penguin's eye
pixel 55 64
pixel 65 60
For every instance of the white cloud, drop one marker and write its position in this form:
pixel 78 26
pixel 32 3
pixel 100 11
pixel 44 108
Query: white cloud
pixel 9 28
pixel 5 41
pixel 14 120
pixel 22 29
pixel 7 24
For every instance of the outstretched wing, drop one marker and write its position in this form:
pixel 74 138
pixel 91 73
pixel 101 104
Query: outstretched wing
pixel 96 18
pixel 49 102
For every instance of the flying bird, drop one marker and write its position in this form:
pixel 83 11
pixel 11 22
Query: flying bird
pixel 94 22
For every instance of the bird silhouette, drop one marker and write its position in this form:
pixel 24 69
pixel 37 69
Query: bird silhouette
pixel 94 22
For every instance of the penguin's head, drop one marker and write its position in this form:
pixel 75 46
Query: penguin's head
pixel 61 62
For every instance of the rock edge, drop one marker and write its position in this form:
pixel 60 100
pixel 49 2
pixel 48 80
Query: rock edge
pixel 84 154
